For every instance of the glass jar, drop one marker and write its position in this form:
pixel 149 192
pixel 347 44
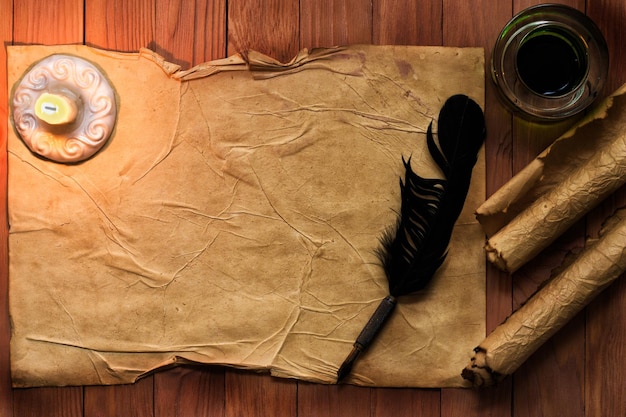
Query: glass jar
pixel 550 62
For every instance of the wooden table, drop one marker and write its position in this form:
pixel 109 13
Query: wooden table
pixel 580 372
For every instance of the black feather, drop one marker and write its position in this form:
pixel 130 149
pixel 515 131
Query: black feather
pixel 412 252
pixel 417 247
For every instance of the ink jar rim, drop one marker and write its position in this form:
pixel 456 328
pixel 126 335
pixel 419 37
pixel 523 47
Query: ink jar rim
pixel 580 31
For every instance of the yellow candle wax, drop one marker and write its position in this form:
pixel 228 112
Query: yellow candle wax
pixel 56 109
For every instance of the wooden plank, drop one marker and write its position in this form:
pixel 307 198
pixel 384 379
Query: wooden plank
pixel 271 27
pixel 256 395
pixel 48 23
pixel 40 402
pixel 6 393
pixel 120 400
pixel 119 25
pixel 407 22
pixel 186 391
pixel 325 23
pixel 405 402
pixel 605 361
pixel 190 34
pixel 315 400
pixel 605 383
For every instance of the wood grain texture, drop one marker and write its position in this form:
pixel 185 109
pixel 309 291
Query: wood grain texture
pixel 48 23
pixel 120 400
pixel 267 26
pixel 119 25
pixel 6 394
pixel 315 400
pixel 323 22
pixel 187 391
pixel 402 402
pixel 190 32
pixel 605 358
pixel 605 361
pixel 586 360
pixel 256 395
pixel 270 27
pixel 58 402
pixel 407 22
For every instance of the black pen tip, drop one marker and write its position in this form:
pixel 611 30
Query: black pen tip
pixel 346 366
pixel 343 372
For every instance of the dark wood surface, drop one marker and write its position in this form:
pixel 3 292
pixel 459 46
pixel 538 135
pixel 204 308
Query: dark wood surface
pixel 581 371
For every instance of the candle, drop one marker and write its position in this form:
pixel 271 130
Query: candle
pixel 56 108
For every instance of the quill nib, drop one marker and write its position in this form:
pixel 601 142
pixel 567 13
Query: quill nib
pixel 346 367
pixel 414 250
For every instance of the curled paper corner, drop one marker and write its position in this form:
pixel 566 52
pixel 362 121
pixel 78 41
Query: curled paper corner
pixel 168 67
pixel 600 111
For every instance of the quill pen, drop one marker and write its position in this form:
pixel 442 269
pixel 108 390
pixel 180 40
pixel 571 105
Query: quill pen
pixel 416 247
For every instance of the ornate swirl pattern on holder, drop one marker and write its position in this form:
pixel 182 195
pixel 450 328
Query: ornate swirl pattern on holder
pixel 64 109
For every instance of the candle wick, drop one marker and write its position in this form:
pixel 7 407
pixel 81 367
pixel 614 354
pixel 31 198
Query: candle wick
pixel 50 108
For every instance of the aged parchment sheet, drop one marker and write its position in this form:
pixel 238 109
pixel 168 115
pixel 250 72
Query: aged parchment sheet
pixel 233 219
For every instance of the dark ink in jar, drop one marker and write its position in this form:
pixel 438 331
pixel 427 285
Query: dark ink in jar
pixel 549 62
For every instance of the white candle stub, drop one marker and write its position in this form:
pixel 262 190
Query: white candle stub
pixel 64 109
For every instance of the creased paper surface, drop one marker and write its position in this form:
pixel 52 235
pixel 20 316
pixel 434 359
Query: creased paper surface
pixel 233 219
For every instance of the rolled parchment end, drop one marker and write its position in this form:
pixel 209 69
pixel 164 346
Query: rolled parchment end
pixel 544 220
pixel 478 373
pixel 548 310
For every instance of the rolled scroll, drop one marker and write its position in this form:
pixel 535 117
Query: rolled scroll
pixel 511 343
pixel 558 188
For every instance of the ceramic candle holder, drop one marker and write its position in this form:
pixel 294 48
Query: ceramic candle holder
pixel 64 109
